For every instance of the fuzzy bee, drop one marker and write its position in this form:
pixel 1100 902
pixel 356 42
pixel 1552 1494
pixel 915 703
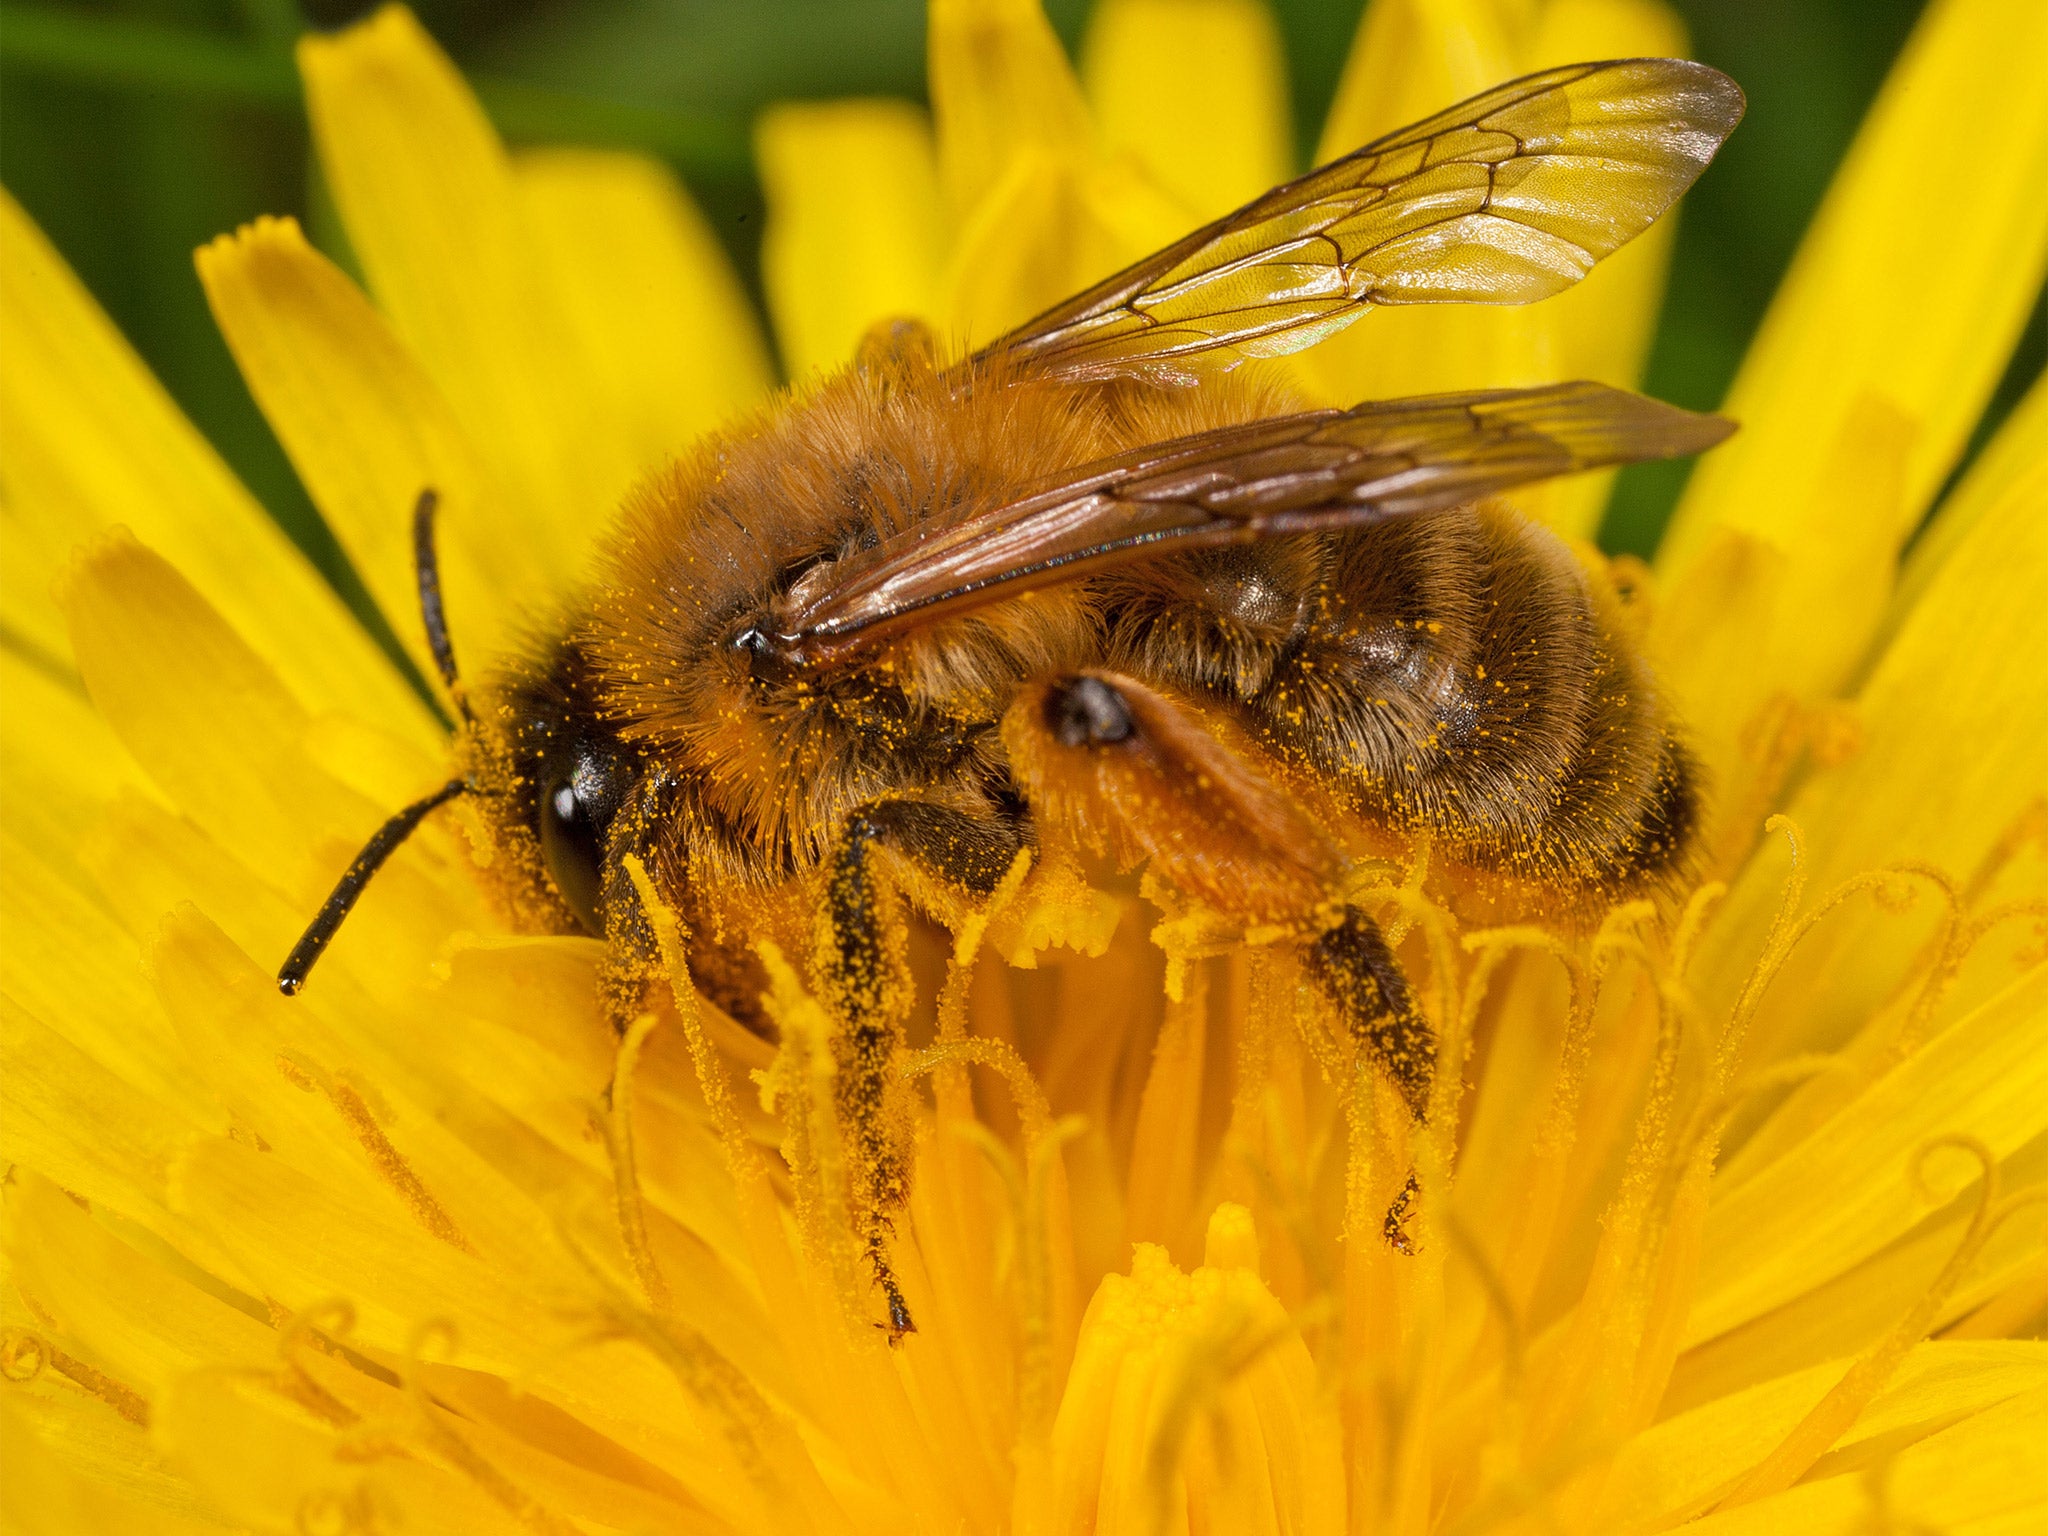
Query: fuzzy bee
pixel 1093 591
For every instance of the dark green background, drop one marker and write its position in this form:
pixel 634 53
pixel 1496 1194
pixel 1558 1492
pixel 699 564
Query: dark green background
pixel 133 130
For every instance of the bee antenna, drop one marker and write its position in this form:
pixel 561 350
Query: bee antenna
pixel 427 568
pixel 349 888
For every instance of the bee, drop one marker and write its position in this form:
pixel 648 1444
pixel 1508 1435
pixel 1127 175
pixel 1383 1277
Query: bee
pixel 1094 589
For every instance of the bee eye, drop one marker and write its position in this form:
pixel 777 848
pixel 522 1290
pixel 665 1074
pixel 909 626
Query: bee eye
pixel 572 845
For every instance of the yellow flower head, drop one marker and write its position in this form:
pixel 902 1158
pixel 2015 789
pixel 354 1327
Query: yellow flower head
pixel 1725 1214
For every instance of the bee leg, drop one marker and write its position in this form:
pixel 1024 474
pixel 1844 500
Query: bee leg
pixel 865 976
pixel 1361 977
pixel 1359 974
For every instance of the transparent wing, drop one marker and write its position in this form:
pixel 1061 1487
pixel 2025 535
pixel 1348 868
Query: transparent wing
pixel 1503 199
pixel 1293 474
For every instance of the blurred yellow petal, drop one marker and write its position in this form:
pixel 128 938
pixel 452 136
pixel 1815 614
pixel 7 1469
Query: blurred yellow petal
pixel 1410 58
pixel 202 713
pixel 1196 90
pixel 1752 627
pixel 1170 1369
pixel 81 1123
pixel 649 291
pixel 2014 464
pixel 58 754
pixel 367 432
pixel 110 1298
pixel 855 225
pixel 273 1465
pixel 1000 84
pixel 432 212
pixel 1053 226
pixel 1947 749
pixel 1908 290
pixel 92 440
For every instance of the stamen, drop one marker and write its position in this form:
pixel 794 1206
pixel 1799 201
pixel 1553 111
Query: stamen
pixel 1888 885
pixel 295 1381
pixel 765 1447
pixel 1528 1243
pixel 967 947
pixel 1699 909
pixel 632 1207
pixel 501 1490
pixel 1560 1122
pixel 1029 1209
pixel 1962 940
pixel 1033 1113
pixel 2028 829
pixel 712 1081
pixel 950 1089
pixel 799 1087
pixel 389 1162
pixel 24 1355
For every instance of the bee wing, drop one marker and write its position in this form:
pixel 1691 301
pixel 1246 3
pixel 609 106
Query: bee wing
pixel 1317 471
pixel 1503 199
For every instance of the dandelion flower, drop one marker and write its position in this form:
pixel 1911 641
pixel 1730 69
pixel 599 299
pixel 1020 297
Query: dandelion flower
pixel 1732 1219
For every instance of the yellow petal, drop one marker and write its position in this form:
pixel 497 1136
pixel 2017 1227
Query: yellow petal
pixel 378 1148
pixel 854 225
pixel 136 1322
pixel 1909 287
pixel 1677 1467
pixel 1196 90
pixel 648 289
pixel 1846 1314
pixel 73 1464
pixel 274 1465
pixel 1000 83
pixel 67 958
pixel 81 1124
pixel 367 432
pixel 1980 1478
pixel 92 441
pixel 427 193
pixel 1849 1188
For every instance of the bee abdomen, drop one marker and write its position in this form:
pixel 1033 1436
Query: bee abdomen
pixel 1460 676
